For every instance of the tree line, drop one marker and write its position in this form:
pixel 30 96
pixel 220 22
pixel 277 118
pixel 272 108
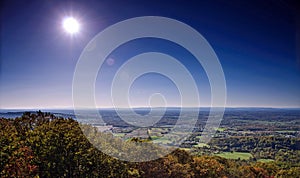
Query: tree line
pixel 43 145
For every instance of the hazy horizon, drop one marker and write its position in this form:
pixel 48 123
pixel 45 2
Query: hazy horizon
pixel 203 107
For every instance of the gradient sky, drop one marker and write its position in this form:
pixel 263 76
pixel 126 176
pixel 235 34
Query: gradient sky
pixel 256 43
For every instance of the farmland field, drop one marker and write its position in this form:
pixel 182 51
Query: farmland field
pixel 235 155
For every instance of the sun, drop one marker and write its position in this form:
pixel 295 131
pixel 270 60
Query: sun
pixel 71 25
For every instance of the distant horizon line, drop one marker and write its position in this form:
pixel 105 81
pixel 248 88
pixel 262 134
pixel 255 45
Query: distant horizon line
pixel 144 107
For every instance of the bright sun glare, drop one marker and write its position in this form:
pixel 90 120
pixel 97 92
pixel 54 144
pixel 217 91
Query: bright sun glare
pixel 71 25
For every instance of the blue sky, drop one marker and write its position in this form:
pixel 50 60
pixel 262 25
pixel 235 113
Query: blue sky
pixel 256 43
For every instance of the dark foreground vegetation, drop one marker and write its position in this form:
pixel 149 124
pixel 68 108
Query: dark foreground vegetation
pixel 43 145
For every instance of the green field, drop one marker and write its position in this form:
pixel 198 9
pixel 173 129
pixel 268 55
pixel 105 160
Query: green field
pixel 235 155
pixel 162 140
pixel 221 129
pixel 119 134
pixel 265 160
pixel 202 145
pixel 155 137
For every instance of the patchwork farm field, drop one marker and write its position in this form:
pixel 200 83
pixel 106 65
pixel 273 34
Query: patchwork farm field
pixel 235 155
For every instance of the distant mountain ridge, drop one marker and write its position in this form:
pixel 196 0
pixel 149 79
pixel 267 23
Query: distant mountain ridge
pixel 12 113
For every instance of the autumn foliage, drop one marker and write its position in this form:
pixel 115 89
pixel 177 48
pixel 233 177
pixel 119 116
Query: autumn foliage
pixel 43 145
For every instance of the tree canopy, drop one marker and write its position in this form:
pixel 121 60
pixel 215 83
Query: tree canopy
pixel 43 145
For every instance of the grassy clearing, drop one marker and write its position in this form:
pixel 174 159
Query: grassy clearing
pixel 202 145
pixel 119 134
pixel 155 137
pixel 235 155
pixel 221 129
pixel 162 141
pixel 265 160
